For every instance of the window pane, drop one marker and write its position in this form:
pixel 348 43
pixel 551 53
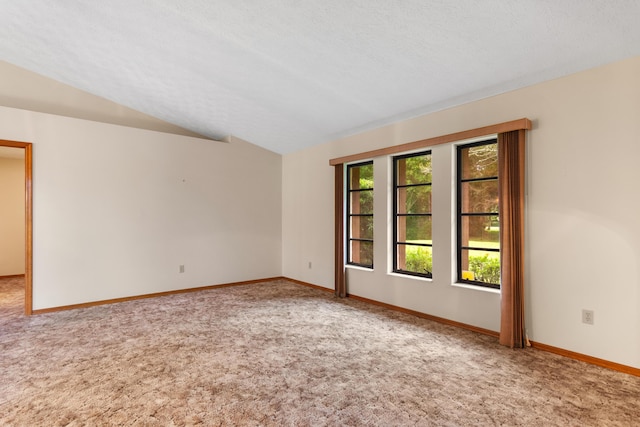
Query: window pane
pixel 478 164
pixel 479 196
pixel 361 177
pixel 416 259
pixel 361 227
pixel 361 252
pixel 414 170
pixel 361 202
pixel 360 214
pixel 480 266
pixel 479 161
pixel 414 229
pixel 481 231
pixel 414 199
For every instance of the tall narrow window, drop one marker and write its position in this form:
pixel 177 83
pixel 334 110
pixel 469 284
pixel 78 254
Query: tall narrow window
pixel 360 214
pixel 478 218
pixel 412 211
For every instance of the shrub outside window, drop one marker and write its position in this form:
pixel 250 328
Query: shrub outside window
pixel 413 246
pixel 360 214
pixel 478 225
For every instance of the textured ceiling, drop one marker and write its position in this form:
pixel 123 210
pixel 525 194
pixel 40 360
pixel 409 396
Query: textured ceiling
pixel 288 74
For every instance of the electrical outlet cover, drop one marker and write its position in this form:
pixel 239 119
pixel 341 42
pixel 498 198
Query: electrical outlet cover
pixel 587 317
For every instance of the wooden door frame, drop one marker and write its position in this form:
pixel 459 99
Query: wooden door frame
pixel 28 214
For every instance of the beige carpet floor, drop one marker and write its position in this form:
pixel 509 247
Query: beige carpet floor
pixel 281 354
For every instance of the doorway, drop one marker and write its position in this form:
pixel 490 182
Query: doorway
pixel 25 152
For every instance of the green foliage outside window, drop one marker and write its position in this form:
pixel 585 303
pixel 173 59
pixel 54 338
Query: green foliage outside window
pixel 419 260
pixel 485 268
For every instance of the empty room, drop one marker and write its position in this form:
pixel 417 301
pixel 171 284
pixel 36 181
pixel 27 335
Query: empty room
pixel 363 213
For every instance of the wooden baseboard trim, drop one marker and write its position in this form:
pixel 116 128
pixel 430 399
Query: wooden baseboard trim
pixel 12 276
pixel 587 359
pixel 153 295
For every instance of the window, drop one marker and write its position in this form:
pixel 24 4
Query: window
pixel 477 214
pixel 360 214
pixel 412 212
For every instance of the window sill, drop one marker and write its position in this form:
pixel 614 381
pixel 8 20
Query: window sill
pixel 476 288
pixel 412 277
pixel 357 267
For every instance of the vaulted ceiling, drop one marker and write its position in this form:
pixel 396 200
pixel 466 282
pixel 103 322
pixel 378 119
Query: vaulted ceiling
pixel 288 74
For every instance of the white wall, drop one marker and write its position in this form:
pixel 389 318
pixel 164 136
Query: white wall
pixel 12 225
pixel 118 209
pixel 582 213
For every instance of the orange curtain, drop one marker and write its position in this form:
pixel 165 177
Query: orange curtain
pixel 511 176
pixel 340 283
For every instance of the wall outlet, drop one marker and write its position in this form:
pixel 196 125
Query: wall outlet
pixel 182 269
pixel 587 317
pixel 309 264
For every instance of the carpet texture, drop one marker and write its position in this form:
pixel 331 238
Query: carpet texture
pixel 281 354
